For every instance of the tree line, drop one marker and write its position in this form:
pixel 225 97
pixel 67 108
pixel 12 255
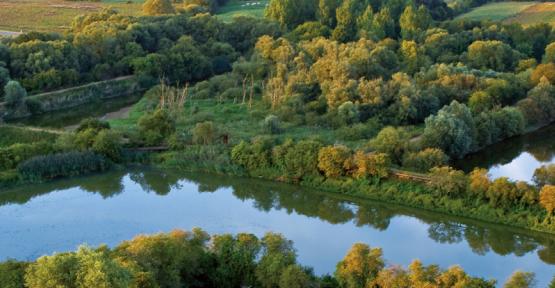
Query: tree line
pixel 196 259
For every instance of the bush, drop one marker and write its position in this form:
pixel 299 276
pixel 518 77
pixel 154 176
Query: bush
pixel 108 143
pixel 545 175
pixel 11 156
pixel 446 181
pixel 155 127
pixel 424 160
pixel 62 165
pixel 271 125
pixel 92 123
pixel 331 160
pixel 205 133
pixel 297 159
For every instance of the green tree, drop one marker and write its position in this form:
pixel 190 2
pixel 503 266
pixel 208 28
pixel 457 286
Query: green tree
pixel 446 181
pixel 520 279
pixel 158 7
pixel 360 266
pixel 414 21
pixel 59 270
pixel 291 13
pixel 277 254
pixel 326 12
pixel 491 54
pixel 452 130
pixel 545 175
pixel 294 277
pixel 235 259
pixel 392 141
pixel 347 14
pixel 205 133
pixel 14 94
pixel 156 126
pixel 12 274
pixel 108 143
pixel 426 159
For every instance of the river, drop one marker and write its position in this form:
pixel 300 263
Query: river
pixel 515 158
pixel 108 208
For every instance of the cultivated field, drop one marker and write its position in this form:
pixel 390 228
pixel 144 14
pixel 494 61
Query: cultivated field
pixel 234 8
pixel 54 15
pixel 526 13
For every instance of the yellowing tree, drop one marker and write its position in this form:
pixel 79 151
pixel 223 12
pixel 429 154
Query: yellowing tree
pixel 547 198
pixel 158 7
pixel 360 266
pixel 331 160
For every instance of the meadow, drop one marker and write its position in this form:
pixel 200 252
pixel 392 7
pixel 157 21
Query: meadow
pixel 242 8
pixel 526 13
pixel 54 15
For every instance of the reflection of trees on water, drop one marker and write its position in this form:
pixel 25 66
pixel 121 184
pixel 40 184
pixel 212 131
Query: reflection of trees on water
pixel 266 196
pixel 540 144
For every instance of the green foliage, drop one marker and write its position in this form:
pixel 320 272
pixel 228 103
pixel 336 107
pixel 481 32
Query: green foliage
pixel 545 175
pixel 294 277
pixel 451 130
pixel 414 21
pixel 108 144
pixel 10 135
pixel 14 94
pixel 253 156
pixel 12 274
pixel 62 165
pixel 158 7
pixel 520 279
pixel 205 133
pixel 424 160
pixel 331 160
pixel 491 54
pixel 291 13
pixel 298 159
pixel 360 266
pixel 392 141
pixel 15 154
pixel 155 127
pixel 271 125
pixel 446 181
pixel 92 123
pixel 277 255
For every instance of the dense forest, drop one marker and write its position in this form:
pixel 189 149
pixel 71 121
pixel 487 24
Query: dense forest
pixel 370 98
pixel 196 259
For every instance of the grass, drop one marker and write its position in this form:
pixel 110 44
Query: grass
pixel 54 15
pixel 242 8
pixel 525 13
pixel 497 11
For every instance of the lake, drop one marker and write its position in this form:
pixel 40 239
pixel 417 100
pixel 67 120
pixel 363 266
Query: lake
pixel 515 158
pixel 108 208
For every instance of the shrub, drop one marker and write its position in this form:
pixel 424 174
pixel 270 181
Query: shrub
pixel 545 175
pixel 156 126
pixel 271 125
pixel 92 123
pixel 370 164
pixel 12 273
pixel 62 165
pixel 447 181
pixel 331 160
pixel 392 141
pixel 297 159
pixel 108 143
pixel 547 198
pixel 424 160
pixel 205 133
pixel 253 156
pixel 11 156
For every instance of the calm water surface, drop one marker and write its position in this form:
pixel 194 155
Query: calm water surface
pixel 109 208
pixel 516 158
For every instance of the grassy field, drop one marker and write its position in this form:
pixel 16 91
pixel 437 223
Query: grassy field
pixel 526 13
pixel 54 15
pixel 242 8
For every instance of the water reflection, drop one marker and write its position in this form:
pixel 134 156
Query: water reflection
pixel 481 237
pixel 516 158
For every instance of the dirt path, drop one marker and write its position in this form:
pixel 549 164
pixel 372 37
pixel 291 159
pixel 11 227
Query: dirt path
pixel 9 33
pixel 36 129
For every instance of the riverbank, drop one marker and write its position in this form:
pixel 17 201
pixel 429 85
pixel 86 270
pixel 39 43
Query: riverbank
pixel 391 190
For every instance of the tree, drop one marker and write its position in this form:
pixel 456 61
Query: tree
pixel 502 193
pixel 360 266
pixel 235 259
pixel 331 160
pixel 545 175
pixel 479 182
pixel 156 126
pixel 294 277
pixel 452 130
pixel 549 55
pixel 541 71
pixel 4 79
pixel 14 94
pixel 54 271
pixel 370 165
pixel 392 141
pixel 520 279
pixel 277 255
pixel 108 143
pixel 291 13
pixel 326 12
pixel 552 284
pixel 12 274
pixel 446 181
pixel 271 125
pixel 491 54
pixel 205 133
pixel 158 7
pixel 424 160
pixel 347 14
pixel 547 198
pixel 297 159
pixel 414 21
